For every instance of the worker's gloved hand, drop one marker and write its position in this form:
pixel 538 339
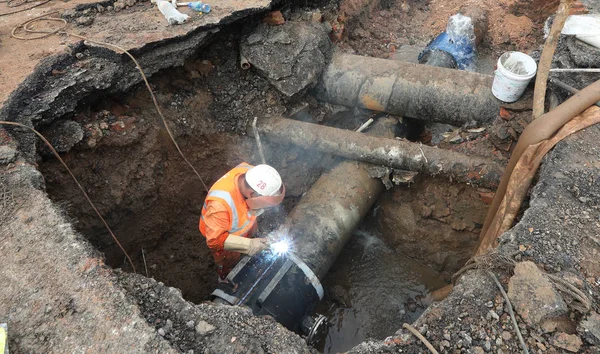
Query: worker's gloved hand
pixel 257 245
pixel 249 246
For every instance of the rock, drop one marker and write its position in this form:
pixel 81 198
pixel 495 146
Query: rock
pixel 205 67
pixel 487 197
pixel 119 5
pixel 590 328
pixel 161 332
pixel 487 345
pixel 274 18
pixel 130 3
pixel 541 346
pixel 7 154
pixel 467 339
pixel 506 335
pixel 63 135
pixel 85 21
pixel 570 342
pixel 291 56
pixel 203 328
pixel 70 14
pixel 190 324
pixel 457 139
pixel 317 16
pixel 561 324
pixel 533 296
pixel 477 350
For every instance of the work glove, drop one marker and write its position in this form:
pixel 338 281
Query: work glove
pixel 249 246
pixel 257 245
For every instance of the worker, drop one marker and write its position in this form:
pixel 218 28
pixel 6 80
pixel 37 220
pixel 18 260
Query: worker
pixel 228 220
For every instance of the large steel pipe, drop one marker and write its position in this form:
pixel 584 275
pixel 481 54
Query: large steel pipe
pixel 394 153
pixel 323 221
pixel 410 90
pixel 288 286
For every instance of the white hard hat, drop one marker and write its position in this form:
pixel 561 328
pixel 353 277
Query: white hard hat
pixel 264 180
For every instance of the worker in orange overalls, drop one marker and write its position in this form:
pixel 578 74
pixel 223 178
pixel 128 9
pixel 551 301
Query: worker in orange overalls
pixel 228 220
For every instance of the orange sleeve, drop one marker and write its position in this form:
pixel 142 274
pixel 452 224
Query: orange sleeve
pixel 218 221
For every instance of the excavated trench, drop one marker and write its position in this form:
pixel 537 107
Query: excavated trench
pixel 414 238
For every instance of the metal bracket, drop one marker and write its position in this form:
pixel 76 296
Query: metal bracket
pixel 267 291
pixel 312 277
pixel 232 300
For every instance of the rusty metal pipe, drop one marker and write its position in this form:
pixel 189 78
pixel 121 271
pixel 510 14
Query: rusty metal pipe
pixel 394 153
pixel 323 221
pixel 409 90
pixel 244 63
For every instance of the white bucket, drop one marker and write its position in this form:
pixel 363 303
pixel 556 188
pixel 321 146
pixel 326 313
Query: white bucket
pixel 515 70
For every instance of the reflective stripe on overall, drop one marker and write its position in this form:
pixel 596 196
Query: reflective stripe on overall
pixel 222 190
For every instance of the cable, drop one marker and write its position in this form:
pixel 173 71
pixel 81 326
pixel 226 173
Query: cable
pixel 510 311
pixel 25 9
pixel 43 34
pixel 78 185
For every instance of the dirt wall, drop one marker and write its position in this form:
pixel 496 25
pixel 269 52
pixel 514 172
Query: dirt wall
pixel 432 221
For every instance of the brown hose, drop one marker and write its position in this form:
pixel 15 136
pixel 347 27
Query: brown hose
pixel 539 95
pixel 538 130
pixel 416 333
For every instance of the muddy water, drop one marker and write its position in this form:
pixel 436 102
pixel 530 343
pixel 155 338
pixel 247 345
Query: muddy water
pixel 371 291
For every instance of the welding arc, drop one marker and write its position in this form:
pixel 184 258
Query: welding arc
pixel 78 185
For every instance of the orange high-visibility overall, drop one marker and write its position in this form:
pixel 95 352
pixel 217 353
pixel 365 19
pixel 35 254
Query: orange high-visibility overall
pixel 225 212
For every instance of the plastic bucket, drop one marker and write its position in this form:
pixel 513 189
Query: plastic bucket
pixel 515 70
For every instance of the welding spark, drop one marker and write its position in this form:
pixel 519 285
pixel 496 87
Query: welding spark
pixel 280 248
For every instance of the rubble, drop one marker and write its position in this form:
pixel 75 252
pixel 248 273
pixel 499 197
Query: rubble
pixel 216 325
pixel 203 328
pixel 291 56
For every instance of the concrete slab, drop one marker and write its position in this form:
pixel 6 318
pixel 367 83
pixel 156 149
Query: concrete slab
pixel 141 26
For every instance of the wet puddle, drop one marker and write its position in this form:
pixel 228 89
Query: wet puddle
pixel 372 290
